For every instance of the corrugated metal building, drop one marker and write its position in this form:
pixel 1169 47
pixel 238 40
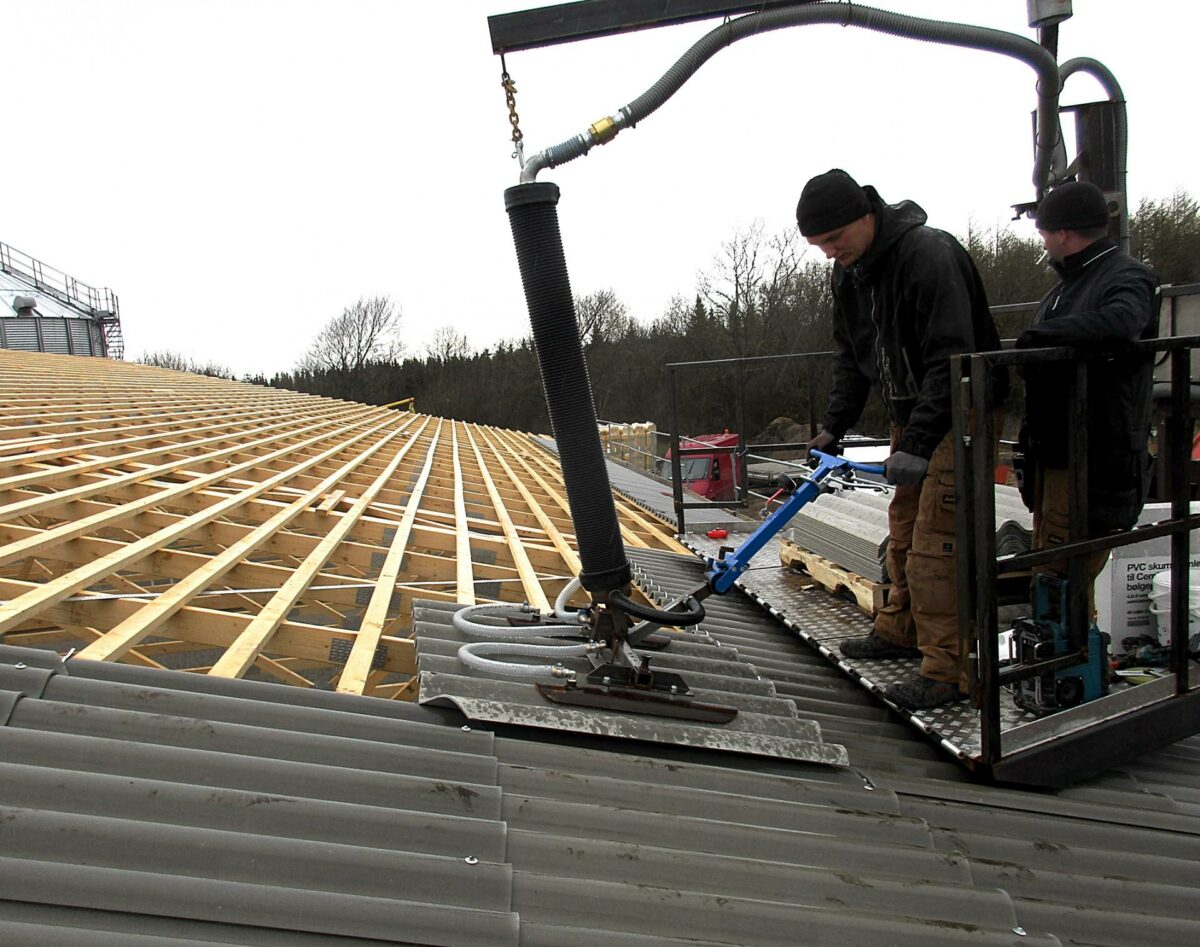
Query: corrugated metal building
pixel 45 310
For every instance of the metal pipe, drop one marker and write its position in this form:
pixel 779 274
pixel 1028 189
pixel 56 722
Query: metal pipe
pixel 1112 88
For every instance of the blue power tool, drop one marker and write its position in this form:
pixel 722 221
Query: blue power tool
pixel 1044 637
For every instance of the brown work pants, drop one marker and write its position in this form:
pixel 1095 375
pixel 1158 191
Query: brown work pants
pixel 922 606
pixel 1052 527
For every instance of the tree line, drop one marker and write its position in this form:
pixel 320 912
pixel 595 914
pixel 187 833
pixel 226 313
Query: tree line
pixel 762 296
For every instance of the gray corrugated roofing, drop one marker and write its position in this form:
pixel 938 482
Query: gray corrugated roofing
pixel 145 806
pixel 766 724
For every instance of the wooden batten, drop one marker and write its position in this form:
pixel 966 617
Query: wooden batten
pixel 172 520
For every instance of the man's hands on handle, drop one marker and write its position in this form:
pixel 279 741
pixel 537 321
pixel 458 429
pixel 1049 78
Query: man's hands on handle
pixel 825 442
pixel 904 470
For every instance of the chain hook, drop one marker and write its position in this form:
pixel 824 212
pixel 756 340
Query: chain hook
pixel 510 99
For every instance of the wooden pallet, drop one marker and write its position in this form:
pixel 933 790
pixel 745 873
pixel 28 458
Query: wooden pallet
pixel 870 596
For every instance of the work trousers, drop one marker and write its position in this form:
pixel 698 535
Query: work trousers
pixel 922 606
pixel 1052 527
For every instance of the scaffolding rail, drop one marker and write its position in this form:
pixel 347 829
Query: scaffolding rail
pixel 101 305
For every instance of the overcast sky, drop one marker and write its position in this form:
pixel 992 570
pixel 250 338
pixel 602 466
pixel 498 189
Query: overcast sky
pixel 238 171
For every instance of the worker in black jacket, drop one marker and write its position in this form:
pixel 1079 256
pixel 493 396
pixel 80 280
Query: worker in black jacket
pixel 906 298
pixel 1106 299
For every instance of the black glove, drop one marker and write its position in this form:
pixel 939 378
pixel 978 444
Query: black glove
pixel 904 470
pixel 825 442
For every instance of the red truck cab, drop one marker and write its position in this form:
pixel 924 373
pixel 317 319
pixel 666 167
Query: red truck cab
pixel 712 475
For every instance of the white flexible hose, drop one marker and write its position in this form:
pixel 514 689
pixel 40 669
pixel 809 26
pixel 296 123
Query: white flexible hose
pixel 463 622
pixel 501 638
pixel 471 656
pixel 561 611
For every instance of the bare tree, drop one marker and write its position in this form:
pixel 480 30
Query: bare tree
pixel 448 345
pixel 181 363
pixel 750 286
pixel 365 331
pixel 602 317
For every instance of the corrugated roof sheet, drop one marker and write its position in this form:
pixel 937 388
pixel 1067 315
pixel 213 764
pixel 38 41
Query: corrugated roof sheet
pixel 175 806
pixel 145 806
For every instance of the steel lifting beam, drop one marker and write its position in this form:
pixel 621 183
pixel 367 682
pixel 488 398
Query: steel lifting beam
pixel 587 19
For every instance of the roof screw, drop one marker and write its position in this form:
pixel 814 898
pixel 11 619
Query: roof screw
pixel 471 860
pixel 1019 931
pixel 465 728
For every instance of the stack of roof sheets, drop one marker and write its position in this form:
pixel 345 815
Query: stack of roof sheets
pixel 850 528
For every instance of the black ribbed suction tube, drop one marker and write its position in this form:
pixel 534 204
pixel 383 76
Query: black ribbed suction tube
pixel 533 215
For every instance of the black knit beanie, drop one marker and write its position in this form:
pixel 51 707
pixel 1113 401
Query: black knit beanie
pixel 1076 205
pixel 829 201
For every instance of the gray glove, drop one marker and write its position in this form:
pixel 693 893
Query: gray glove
pixel 904 470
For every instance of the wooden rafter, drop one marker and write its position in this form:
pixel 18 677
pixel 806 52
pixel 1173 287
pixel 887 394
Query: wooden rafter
pixel 173 520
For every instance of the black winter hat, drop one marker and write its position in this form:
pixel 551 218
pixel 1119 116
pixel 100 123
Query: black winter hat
pixel 829 201
pixel 1076 205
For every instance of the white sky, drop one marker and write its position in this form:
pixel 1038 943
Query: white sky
pixel 239 170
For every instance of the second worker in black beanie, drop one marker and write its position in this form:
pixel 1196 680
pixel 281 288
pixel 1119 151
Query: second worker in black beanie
pixel 906 297
pixel 1105 299
pixel 1076 205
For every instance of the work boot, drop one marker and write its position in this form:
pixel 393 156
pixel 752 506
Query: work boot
pixel 873 646
pixel 922 693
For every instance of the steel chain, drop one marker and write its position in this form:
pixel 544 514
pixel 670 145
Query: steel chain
pixel 510 99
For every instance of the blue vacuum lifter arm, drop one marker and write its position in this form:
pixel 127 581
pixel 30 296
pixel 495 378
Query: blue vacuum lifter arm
pixel 723 571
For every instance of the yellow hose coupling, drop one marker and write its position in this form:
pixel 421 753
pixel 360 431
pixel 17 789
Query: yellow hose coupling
pixel 604 130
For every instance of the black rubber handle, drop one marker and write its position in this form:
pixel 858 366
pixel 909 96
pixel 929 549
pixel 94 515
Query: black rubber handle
pixel 692 612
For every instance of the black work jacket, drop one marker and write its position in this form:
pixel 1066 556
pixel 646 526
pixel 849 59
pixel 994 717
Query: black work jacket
pixel 1106 299
pixel 912 301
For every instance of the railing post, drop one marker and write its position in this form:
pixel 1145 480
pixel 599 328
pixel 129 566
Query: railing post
pixel 975 538
pixel 812 397
pixel 1178 456
pixel 1078 618
pixel 983 561
pixel 676 464
pixel 739 454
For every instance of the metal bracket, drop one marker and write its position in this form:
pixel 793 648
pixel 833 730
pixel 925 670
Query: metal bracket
pixel 636 700
pixel 339 653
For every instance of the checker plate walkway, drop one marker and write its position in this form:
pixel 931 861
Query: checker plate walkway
pixel 823 620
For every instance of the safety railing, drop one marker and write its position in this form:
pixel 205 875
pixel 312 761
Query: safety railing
pixel 60 285
pixel 744 451
pixel 1092 736
pixel 101 304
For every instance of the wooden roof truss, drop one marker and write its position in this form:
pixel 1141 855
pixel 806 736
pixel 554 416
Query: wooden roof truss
pixel 172 520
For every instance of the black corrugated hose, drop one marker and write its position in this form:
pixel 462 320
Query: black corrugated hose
pixel 533 215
